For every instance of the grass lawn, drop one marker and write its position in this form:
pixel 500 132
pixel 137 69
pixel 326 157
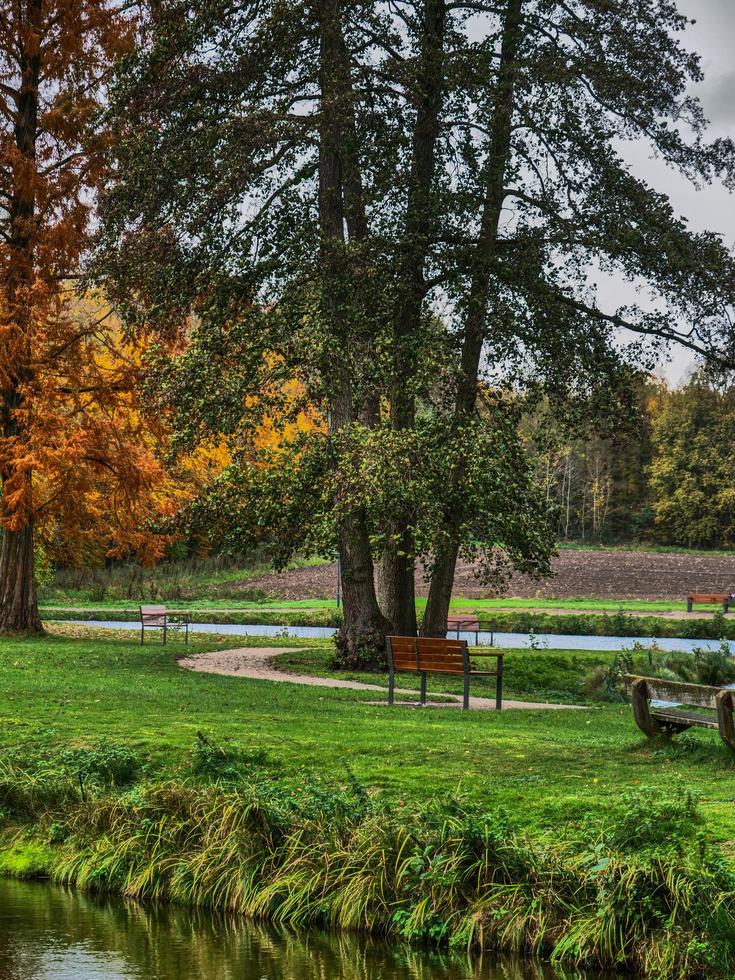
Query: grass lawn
pixel 72 601
pixel 77 687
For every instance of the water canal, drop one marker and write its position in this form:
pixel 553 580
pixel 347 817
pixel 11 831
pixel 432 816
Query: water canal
pixel 48 933
pixel 507 641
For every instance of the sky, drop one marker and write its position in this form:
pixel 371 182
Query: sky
pixel 713 207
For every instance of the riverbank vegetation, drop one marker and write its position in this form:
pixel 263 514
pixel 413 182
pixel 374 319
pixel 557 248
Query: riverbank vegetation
pixel 567 624
pixel 642 891
pixel 552 831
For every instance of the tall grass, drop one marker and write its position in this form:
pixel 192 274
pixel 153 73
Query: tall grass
pixel 215 577
pixel 644 893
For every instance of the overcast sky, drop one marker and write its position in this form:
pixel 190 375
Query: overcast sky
pixel 713 208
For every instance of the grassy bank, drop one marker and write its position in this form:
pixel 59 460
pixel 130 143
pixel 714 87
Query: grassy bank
pixel 550 766
pixel 642 892
pixel 307 804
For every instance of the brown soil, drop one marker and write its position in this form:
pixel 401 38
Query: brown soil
pixel 589 574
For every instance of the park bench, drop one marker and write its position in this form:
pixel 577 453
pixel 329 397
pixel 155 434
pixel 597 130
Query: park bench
pixel 709 598
pixel 670 717
pixel 435 655
pixel 458 623
pixel 157 618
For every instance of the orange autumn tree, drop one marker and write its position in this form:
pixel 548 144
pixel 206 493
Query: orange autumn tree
pixel 54 58
pixel 107 482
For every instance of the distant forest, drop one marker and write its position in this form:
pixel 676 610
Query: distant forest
pixel 668 479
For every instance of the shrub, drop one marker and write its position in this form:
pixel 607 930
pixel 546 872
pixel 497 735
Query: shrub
pixel 228 763
pixel 105 763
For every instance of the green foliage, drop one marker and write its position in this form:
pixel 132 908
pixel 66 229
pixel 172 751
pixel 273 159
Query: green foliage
pixel 105 763
pixel 607 683
pixel 221 577
pixel 228 762
pixel 692 468
pixel 22 858
pixel 715 667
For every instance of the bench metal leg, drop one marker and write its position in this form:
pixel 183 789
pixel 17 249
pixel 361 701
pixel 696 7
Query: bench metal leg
pixel 164 634
pixel 142 633
pixel 186 634
pixel 422 697
pixel 466 698
pixel 689 605
pixel 499 686
pixel 391 686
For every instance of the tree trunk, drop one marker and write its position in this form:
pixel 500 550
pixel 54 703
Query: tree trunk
pixel 395 584
pixel 361 639
pixel 18 603
pixel 442 580
pixel 18 600
pixel 397 567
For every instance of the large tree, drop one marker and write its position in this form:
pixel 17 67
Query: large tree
pixel 391 200
pixel 54 55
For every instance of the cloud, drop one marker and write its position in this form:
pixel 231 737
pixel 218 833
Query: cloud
pixel 717 95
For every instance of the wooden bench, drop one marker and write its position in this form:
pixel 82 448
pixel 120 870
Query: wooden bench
pixel 157 618
pixel 668 720
pixel 434 655
pixel 457 623
pixel 709 599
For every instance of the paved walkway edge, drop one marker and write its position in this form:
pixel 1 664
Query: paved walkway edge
pixel 254 663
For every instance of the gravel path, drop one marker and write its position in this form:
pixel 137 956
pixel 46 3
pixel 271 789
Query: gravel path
pixel 254 662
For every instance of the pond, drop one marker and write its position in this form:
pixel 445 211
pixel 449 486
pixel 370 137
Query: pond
pixel 507 641
pixel 47 933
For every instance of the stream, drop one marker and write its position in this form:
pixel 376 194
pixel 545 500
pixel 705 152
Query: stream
pixel 49 933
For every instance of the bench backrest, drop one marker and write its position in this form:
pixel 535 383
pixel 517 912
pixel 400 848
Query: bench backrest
pixel 679 692
pixel 427 653
pixel 153 615
pixel 459 622
pixel 709 597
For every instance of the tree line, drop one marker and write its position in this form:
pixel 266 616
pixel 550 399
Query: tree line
pixel 393 207
pixel 668 479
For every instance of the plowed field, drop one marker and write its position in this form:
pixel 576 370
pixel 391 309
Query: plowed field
pixel 588 574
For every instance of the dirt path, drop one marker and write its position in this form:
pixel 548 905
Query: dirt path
pixel 254 662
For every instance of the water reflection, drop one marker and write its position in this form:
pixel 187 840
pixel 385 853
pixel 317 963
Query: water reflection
pixel 47 933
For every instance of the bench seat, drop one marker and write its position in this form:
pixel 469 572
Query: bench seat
pixel 692 719
pixel 437 655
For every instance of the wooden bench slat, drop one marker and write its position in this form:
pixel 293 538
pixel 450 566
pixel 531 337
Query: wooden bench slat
pixel 681 692
pixel 690 718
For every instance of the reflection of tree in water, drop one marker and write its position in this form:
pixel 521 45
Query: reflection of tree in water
pixel 168 943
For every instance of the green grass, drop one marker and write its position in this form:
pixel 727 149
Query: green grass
pixel 63 601
pixel 547 767
pixel 561 833
pixel 642 546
